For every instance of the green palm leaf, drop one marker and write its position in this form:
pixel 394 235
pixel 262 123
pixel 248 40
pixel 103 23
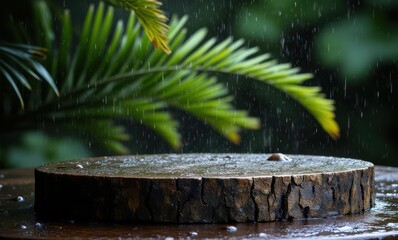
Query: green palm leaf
pixel 151 17
pixel 118 75
pixel 19 64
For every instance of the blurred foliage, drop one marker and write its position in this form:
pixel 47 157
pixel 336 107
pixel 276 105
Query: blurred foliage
pixel 35 148
pixel 351 37
pixel 269 20
pixel 356 46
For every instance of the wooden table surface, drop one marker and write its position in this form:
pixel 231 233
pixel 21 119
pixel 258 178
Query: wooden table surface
pixel 18 219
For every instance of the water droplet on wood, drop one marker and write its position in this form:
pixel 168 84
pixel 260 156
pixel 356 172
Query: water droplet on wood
pixel 278 157
pixel 231 229
pixel 38 225
pixel 79 166
pixel 19 199
pixel 23 227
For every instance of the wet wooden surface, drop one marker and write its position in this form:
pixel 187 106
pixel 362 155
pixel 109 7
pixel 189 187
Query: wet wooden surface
pixel 18 219
pixel 204 188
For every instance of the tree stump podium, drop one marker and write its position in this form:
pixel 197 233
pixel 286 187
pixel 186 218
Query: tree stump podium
pixel 203 188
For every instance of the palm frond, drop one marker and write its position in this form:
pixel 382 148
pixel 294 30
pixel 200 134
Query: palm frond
pixel 117 75
pixel 151 18
pixel 19 64
pixel 228 57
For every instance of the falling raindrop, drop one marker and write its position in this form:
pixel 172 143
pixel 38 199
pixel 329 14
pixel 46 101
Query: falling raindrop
pixel 348 126
pixel 390 83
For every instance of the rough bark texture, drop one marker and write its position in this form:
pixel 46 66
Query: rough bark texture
pixel 203 199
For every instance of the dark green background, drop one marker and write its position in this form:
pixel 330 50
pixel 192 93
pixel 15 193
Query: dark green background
pixel 350 46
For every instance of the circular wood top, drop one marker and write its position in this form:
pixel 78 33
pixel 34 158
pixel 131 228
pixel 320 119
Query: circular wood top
pixel 203 165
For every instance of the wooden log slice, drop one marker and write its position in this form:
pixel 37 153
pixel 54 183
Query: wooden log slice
pixel 203 188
